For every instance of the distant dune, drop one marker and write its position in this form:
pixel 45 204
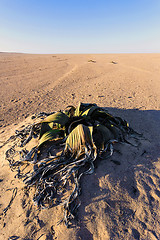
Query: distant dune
pixel 121 199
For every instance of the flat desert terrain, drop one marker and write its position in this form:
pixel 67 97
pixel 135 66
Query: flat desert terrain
pixel 121 199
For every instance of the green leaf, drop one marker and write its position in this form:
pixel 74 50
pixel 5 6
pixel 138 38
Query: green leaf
pixel 50 135
pixel 71 111
pixel 103 116
pixel 80 138
pixel 102 135
pixel 116 131
pixel 89 111
pixel 78 111
pixel 82 107
pixel 58 117
pixel 45 127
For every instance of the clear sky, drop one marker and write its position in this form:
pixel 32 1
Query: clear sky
pixel 80 26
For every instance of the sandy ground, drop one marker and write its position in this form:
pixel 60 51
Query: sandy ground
pixel 118 201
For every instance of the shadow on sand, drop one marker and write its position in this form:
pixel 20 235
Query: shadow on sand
pixel 110 196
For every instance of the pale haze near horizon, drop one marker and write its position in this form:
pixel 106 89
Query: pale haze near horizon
pixel 85 26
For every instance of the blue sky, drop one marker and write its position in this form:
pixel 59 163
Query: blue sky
pixel 80 26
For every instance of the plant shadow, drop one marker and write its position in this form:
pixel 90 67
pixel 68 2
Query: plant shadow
pixel 108 195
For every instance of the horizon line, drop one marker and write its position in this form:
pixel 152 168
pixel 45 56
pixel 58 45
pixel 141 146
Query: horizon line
pixel 69 53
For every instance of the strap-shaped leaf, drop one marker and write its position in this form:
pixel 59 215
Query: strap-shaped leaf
pixel 104 135
pixel 58 117
pixel 50 135
pixel 70 112
pixel 103 116
pixel 116 131
pixel 82 107
pixel 45 127
pixel 80 138
pixel 89 111
pixel 78 110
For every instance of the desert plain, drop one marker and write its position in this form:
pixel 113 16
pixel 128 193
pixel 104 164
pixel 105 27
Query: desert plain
pixel 121 199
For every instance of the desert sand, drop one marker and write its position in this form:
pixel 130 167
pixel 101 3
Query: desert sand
pixel 121 199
